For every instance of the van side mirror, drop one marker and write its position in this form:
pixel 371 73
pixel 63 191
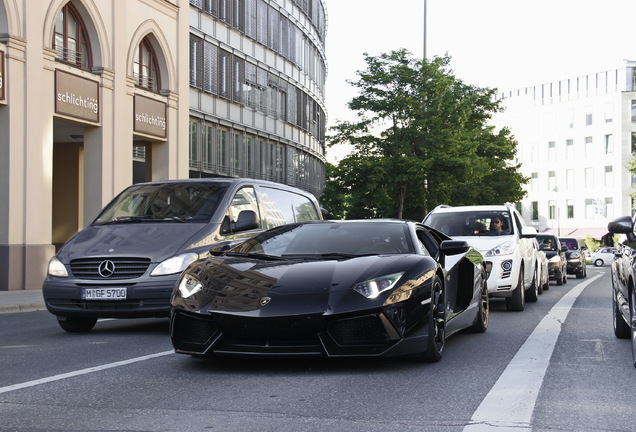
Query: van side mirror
pixel 246 221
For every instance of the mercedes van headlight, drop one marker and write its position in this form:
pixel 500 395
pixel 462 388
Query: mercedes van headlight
pixel 173 265
pixel 56 268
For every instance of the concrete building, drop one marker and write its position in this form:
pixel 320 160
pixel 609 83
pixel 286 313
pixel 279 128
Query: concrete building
pixel 257 90
pixel 96 95
pixel 576 137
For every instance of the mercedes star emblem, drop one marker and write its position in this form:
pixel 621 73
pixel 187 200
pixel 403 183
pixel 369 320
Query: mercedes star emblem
pixel 106 268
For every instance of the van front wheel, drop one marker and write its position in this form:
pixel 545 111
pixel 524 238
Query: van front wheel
pixel 76 324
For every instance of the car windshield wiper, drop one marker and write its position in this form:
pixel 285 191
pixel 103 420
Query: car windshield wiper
pixel 328 256
pixel 254 255
pixel 129 219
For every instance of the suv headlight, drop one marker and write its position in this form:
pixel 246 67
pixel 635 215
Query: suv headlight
pixel 575 255
pixel 56 268
pixel 506 248
pixel 555 259
pixel 173 265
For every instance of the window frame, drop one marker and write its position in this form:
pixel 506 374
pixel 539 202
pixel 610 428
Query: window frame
pixel 154 79
pixel 82 39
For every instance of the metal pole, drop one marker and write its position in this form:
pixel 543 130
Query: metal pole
pixel 424 57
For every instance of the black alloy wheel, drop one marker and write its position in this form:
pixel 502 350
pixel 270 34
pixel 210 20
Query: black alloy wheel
pixel 436 323
pixel 483 314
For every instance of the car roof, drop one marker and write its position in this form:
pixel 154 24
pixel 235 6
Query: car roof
pixel 498 207
pixel 227 180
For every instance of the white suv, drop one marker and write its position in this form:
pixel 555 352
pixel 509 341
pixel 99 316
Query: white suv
pixel 500 234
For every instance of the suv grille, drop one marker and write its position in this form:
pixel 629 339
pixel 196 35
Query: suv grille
pixel 109 268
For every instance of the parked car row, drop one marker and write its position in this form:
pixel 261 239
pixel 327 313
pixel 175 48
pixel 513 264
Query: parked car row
pixel 603 256
pixel 522 261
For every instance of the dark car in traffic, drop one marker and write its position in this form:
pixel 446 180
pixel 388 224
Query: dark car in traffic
pixel 126 262
pixel 575 257
pixel 369 288
pixel 624 280
pixel 555 253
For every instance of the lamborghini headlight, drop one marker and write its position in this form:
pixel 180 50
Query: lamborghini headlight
pixel 373 287
pixel 189 285
pixel 173 265
pixel 506 248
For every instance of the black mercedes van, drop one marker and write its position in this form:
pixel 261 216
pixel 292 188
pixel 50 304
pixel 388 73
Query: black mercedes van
pixel 127 261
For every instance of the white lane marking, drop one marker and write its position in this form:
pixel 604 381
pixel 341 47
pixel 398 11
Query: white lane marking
pixel 510 403
pixel 81 372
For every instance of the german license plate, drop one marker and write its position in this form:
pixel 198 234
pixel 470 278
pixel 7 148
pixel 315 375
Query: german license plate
pixel 104 294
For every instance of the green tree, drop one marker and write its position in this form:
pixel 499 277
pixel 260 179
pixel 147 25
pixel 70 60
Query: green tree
pixel 631 166
pixel 420 139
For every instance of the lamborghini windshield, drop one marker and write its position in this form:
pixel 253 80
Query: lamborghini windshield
pixel 330 240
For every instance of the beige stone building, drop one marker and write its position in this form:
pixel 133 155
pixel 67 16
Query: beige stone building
pixel 84 86
pixel 98 94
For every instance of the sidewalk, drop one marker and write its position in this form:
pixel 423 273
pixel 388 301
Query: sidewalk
pixel 21 301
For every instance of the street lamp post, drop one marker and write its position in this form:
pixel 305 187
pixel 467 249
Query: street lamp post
pixel 424 50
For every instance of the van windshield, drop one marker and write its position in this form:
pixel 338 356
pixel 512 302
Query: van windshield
pixel 165 202
pixel 478 223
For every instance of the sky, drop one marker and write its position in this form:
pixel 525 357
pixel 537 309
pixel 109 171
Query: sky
pixel 503 44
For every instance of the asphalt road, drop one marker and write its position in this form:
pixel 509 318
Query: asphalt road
pixel 554 367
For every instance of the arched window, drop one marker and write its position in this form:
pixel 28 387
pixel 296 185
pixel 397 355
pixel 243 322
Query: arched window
pixel 146 67
pixel 71 41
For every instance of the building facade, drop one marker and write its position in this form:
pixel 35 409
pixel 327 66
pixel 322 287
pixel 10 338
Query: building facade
pixel 576 137
pixel 257 90
pixel 97 95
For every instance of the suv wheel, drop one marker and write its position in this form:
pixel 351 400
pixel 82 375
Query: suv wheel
pixel 532 294
pixel 583 273
pixel 559 278
pixel 516 302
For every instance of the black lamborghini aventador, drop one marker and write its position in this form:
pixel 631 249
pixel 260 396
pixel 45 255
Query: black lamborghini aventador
pixel 332 289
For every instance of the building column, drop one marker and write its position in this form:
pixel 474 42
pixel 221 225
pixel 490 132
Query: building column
pixel 26 165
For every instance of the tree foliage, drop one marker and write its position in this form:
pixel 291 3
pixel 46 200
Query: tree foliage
pixel 420 139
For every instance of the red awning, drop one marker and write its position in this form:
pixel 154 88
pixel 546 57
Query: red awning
pixel 561 232
pixel 579 233
pixel 594 232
